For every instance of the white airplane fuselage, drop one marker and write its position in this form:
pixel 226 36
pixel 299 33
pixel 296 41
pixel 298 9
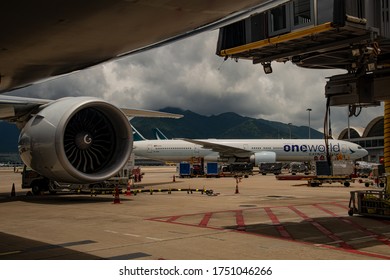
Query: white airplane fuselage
pixel 282 149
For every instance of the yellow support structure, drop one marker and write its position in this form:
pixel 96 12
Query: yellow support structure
pixel 311 31
pixel 387 145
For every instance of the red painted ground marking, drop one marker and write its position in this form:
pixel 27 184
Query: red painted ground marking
pixel 240 220
pixel 275 220
pixel 206 219
pixel 341 206
pixel 321 228
pixel 282 230
pixel 378 237
pixel 172 219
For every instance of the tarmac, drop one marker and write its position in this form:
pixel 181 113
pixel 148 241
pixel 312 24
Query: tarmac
pixel 258 218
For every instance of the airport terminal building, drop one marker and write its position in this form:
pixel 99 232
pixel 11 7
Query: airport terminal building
pixel 370 138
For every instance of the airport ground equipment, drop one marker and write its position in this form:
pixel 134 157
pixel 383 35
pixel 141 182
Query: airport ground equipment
pixel 212 169
pixel 337 172
pixel 237 169
pixel 208 192
pixel 317 181
pixel 369 203
pixel 189 170
pixel 184 169
pixel 268 167
pixel 298 167
pixel 39 183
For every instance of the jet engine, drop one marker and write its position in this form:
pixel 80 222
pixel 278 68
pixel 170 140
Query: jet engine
pixel 76 140
pixel 260 157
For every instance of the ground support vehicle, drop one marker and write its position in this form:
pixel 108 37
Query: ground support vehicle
pixel 190 170
pixel 339 171
pixel 237 170
pixel 39 184
pixel 298 167
pixel 316 181
pixel 369 203
pixel 274 168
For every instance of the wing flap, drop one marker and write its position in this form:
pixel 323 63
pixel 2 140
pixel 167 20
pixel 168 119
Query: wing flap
pixel 224 150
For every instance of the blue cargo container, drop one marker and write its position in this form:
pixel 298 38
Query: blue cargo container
pixel 212 169
pixel 184 169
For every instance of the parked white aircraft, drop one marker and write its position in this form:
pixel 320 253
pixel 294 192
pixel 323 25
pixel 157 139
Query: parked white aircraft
pixel 248 150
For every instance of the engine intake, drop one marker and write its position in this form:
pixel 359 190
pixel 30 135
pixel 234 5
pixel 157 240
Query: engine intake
pixel 77 140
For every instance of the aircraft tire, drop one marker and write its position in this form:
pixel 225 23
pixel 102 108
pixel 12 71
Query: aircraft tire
pixel 36 188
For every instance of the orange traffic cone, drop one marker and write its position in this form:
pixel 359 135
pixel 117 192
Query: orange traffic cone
pixel 117 199
pixel 128 191
pixel 13 190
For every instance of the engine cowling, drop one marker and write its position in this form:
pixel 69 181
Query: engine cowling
pixel 77 140
pixel 260 157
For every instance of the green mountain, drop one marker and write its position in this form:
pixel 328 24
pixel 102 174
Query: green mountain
pixel 223 126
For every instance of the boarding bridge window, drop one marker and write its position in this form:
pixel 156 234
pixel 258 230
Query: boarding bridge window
pixel 385 28
pixel 232 35
pixel 302 12
pixel 279 20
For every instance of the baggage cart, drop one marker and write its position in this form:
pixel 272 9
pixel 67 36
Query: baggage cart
pixel 369 203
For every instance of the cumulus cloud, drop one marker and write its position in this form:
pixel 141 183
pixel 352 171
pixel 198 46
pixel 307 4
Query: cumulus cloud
pixel 187 74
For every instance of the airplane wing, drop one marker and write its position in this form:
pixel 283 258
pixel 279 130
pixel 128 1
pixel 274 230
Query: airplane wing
pixel 222 149
pixel 44 38
pixel 13 108
pixel 149 113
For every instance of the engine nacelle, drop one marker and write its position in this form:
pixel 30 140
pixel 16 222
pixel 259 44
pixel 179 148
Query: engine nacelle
pixel 257 158
pixel 77 140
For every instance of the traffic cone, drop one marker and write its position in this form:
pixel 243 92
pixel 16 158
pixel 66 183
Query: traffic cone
pixel 116 198
pixel 13 190
pixel 128 192
pixel 174 179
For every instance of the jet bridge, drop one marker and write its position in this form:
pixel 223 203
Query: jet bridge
pixel 353 35
pixel 321 34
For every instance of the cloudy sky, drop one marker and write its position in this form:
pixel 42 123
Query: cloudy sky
pixel 187 74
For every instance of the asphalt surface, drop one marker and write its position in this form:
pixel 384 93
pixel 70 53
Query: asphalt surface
pixel 190 219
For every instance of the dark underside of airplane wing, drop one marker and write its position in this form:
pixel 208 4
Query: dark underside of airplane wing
pixel 44 38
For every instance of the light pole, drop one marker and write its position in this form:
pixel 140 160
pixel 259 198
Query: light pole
pixel 309 110
pixel 289 128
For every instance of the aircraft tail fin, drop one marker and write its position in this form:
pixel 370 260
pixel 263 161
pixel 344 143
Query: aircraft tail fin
pixel 159 135
pixel 136 135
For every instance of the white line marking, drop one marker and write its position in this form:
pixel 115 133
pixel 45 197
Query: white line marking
pixel 111 231
pixel 132 235
pixel 156 239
